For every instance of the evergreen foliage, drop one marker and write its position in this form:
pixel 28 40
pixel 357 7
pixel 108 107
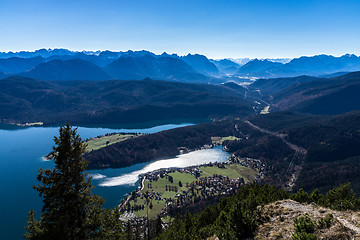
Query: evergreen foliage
pixel 326 221
pixel 112 226
pixel 233 218
pixel 236 217
pixel 171 179
pixel 301 196
pixel 338 198
pixel 70 211
pixel 304 228
pixel 342 198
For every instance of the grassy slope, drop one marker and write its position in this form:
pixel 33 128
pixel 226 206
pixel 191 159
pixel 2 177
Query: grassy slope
pixel 232 171
pixel 151 213
pixel 220 140
pixel 159 185
pixel 97 143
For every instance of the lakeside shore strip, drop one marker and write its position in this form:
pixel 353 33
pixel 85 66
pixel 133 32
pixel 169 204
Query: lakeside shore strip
pixel 167 191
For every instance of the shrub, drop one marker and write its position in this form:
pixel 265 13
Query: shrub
pixel 304 228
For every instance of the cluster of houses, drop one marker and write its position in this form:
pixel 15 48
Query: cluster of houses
pixel 202 189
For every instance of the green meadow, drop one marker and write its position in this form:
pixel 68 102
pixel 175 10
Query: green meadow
pixel 159 186
pixel 97 143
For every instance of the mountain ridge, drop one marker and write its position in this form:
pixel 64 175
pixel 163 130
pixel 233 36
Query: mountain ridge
pixel 317 65
pixel 72 69
pixel 148 66
pixel 313 66
pixel 114 101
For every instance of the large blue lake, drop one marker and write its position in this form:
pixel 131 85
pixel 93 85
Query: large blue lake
pixel 21 152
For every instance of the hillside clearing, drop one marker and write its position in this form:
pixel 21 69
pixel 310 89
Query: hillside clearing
pixel 106 140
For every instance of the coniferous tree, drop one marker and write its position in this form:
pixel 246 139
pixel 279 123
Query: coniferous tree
pixel 157 225
pixel 129 231
pixel 112 228
pixel 70 211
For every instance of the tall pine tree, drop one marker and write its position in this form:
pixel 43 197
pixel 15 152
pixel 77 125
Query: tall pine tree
pixel 70 211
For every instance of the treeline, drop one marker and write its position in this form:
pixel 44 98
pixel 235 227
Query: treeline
pixel 237 217
pixel 232 218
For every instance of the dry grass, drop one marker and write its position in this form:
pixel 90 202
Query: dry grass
pixel 277 221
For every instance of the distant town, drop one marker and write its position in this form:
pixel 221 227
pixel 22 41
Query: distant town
pixel 167 192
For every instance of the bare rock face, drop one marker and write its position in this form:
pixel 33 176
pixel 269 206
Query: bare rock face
pixel 277 221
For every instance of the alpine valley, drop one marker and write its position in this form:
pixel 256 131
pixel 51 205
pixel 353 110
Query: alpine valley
pixel 252 143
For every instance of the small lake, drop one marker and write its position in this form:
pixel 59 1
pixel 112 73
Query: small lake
pixel 21 152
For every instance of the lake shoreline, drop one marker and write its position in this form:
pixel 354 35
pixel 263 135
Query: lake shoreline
pixel 12 125
pixel 143 176
pixel 129 206
pixel 22 152
pixel 192 158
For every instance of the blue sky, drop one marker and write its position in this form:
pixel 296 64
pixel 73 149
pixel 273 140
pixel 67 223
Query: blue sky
pixel 217 29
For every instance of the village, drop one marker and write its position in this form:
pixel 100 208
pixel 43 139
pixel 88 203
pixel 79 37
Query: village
pixel 167 192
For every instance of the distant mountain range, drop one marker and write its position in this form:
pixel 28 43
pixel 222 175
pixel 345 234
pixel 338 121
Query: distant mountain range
pixel 257 68
pixel 148 66
pixel 62 64
pixel 137 65
pixel 243 61
pixel 226 66
pixel 311 66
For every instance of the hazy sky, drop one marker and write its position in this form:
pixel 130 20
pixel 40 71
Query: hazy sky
pixel 218 29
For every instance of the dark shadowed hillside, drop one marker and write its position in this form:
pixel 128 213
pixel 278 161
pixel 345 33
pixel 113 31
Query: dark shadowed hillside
pixel 115 101
pixel 332 143
pixel 160 145
pixel 274 85
pixel 323 96
pixel 236 87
